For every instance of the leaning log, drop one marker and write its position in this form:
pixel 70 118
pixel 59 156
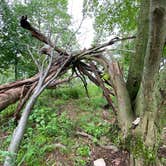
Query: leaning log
pixel 12 92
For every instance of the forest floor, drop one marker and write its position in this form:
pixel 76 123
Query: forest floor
pixel 86 148
pixel 66 128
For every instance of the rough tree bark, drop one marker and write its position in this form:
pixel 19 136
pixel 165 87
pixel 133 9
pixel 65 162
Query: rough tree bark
pixel 137 61
pixel 146 100
pixel 124 113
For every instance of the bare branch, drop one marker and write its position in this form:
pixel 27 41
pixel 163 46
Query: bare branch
pixel 34 59
pixel 57 73
pixel 123 50
pixel 76 31
pixel 106 91
pixel 38 35
pixel 111 42
pixel 110 147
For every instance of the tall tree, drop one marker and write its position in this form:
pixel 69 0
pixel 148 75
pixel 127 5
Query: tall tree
pixel 140 97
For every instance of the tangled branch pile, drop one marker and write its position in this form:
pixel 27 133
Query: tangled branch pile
pixel 83 63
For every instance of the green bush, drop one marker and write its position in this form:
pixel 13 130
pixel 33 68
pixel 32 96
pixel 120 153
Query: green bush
pixel 94 90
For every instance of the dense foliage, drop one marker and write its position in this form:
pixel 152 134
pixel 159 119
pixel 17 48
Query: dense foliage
pixel 50 17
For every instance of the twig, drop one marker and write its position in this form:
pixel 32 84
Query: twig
pixel 106 92
pixel 56 75
pixel 68 43
pixel 124 50
pixel 111 42
pixel 108 147
pixel 23 101
pixel 33 58
pixel 84 135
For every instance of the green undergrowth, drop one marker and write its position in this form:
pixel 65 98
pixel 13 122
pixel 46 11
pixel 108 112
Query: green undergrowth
pixel 8 112
pixel 139 150
pixel 51 137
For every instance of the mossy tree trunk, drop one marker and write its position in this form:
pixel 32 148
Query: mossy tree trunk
pixel 137 61
pixel 142 84
pixel 138 97
pixel 146 103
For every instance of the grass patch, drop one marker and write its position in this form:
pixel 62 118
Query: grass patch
pixel 56 117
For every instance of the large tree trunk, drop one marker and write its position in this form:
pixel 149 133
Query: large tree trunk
pixel 146 102
pixel 137 61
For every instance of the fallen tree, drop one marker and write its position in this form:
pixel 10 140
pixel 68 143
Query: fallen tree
pixel 59 62
pixel 137 100
pixel 11 92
